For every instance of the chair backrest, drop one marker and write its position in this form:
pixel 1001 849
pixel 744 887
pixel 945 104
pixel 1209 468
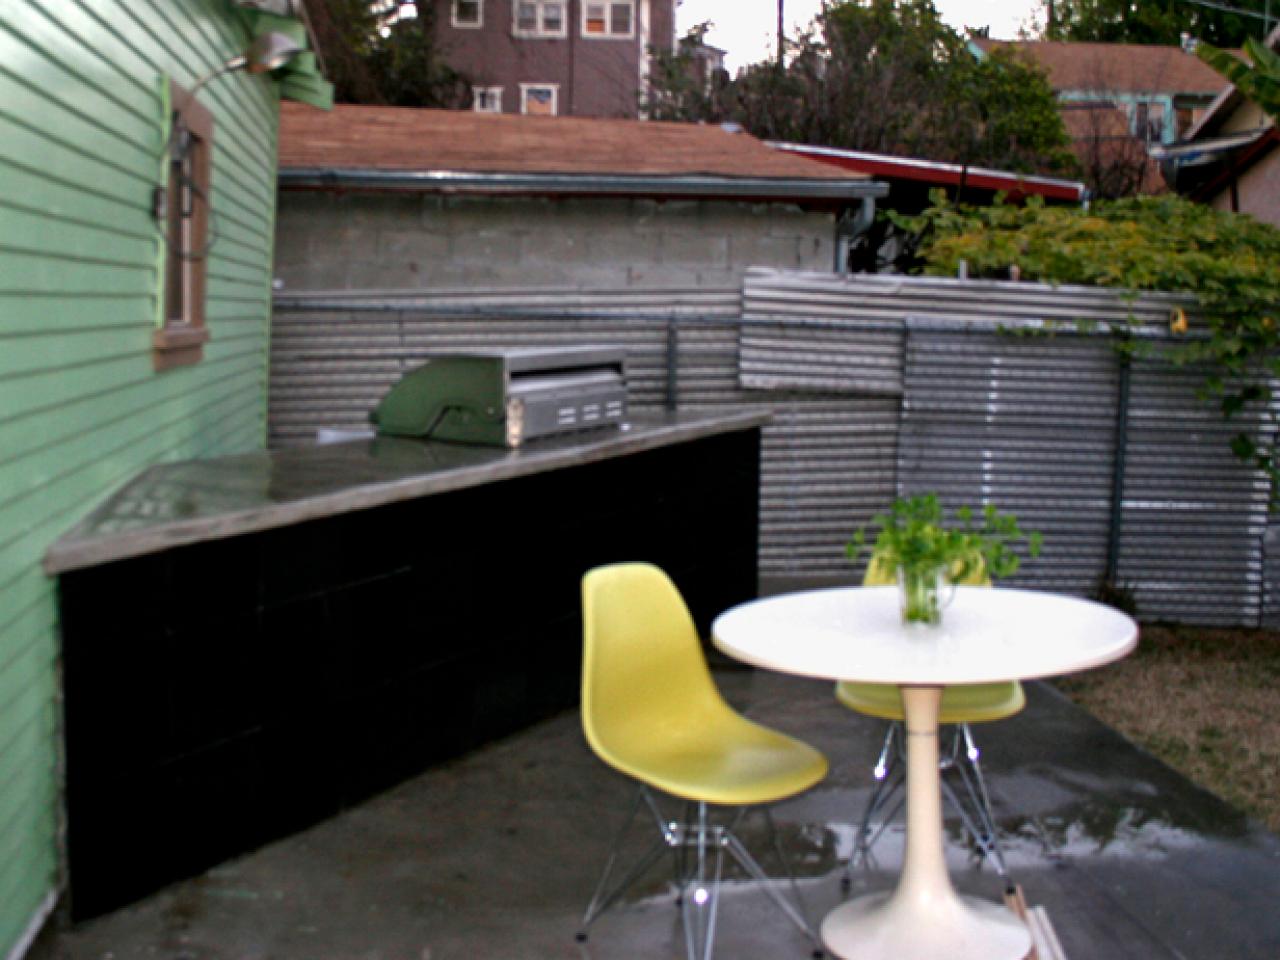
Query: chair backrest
pixel 881 574
pixel 643 673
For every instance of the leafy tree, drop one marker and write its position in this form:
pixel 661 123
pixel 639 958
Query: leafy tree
pixel 374 55
pixel 877 75
pixel 1227 261
pixel 677 88
pixel 772 103
pixel 1006 116
pixel 1152 21
pixel 1258 80
pixel 886 76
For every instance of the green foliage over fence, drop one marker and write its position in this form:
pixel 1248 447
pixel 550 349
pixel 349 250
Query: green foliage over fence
pixel 1230 264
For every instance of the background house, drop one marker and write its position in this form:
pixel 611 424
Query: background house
pixel 376 198
pixel 554 57
pixel 1230 158
pixel 1162 90
pixel 125 339
pixel 1118 98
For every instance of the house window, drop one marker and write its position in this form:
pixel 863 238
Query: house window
pixel 1155 122
pixel 468 14
pixel 182 214
pixel 1141 121
pixel 539 99
pixel 539 18
pixel 616 19
pixel 486 99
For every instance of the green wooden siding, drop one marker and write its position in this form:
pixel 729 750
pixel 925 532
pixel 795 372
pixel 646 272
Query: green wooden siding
pixel 82 98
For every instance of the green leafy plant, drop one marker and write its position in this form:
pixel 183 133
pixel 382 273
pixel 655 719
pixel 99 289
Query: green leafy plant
pixel 915 535
pixel 1258 80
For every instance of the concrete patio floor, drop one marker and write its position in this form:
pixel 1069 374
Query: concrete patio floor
pixel 495 855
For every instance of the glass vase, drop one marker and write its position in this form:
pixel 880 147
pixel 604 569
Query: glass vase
pixel 920 591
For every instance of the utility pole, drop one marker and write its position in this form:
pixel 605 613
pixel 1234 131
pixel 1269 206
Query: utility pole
pixel 780 37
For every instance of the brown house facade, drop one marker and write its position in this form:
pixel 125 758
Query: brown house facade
pixel 584 58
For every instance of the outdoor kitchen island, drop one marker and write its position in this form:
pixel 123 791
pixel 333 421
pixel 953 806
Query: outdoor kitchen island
pixel 254 642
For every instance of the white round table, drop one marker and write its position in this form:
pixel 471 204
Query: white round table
pixel 986 635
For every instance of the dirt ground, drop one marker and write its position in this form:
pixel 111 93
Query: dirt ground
pixel 1206 702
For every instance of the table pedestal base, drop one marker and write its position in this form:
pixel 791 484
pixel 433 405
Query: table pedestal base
pixel 885 926
pixel 924 918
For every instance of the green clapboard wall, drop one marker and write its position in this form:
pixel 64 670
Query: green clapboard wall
pixel 82 127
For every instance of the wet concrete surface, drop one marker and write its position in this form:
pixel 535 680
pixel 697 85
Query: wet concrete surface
pixel 495 856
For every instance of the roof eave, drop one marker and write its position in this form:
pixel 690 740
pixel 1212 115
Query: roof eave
pixel 1191 148
pixel 776 189
pixel 1244 158
pixel 933 171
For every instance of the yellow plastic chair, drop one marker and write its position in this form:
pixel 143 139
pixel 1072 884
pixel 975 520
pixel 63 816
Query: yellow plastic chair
pixel 961 705
pixel 651 710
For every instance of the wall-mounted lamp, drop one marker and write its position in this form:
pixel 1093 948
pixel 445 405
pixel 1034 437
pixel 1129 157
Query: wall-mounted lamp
pixel 269 51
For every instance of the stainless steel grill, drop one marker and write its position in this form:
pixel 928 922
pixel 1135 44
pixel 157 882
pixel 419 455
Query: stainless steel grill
pixel 506 397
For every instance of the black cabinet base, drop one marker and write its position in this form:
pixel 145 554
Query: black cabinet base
pixel 223 694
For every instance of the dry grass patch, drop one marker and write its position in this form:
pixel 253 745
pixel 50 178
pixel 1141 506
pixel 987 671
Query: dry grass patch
pixel 1206 702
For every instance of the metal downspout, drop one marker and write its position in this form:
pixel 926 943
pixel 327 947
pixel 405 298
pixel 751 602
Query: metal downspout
pixel 849 228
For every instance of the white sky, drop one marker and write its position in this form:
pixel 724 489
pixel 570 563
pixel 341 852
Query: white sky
pixel 746 28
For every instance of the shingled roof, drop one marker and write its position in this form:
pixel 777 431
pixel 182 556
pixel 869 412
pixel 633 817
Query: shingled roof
pixel 1117 67
pixel 411 139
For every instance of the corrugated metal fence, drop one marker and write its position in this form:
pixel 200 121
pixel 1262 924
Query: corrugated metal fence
pixel 879 385
pixel 333 356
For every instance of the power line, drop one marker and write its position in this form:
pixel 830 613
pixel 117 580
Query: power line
pixel 1265 17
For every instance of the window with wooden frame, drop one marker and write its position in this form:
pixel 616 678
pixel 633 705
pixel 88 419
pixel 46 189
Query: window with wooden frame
pixel 183 216
pixel 539 18
pixel 486 99
pixel 615 19
pixel 468 14
pixel 539 99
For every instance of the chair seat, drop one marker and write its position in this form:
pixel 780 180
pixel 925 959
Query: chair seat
pixel 726 759
pixel 965 703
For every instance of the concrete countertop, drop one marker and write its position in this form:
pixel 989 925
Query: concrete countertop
pixel 175 504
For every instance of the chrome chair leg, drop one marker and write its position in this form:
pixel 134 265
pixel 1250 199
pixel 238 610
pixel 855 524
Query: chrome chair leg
pixel 981 799
pixel 867 837
pixel 799 914
pixel 684 871
pixel 605 896
pixel 699 910
pixel 889 779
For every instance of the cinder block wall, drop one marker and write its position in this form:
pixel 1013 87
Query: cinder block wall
pixel 387 241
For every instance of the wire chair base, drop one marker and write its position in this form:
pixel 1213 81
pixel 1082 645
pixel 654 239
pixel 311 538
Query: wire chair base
pixel 698 848
pixel 970 799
